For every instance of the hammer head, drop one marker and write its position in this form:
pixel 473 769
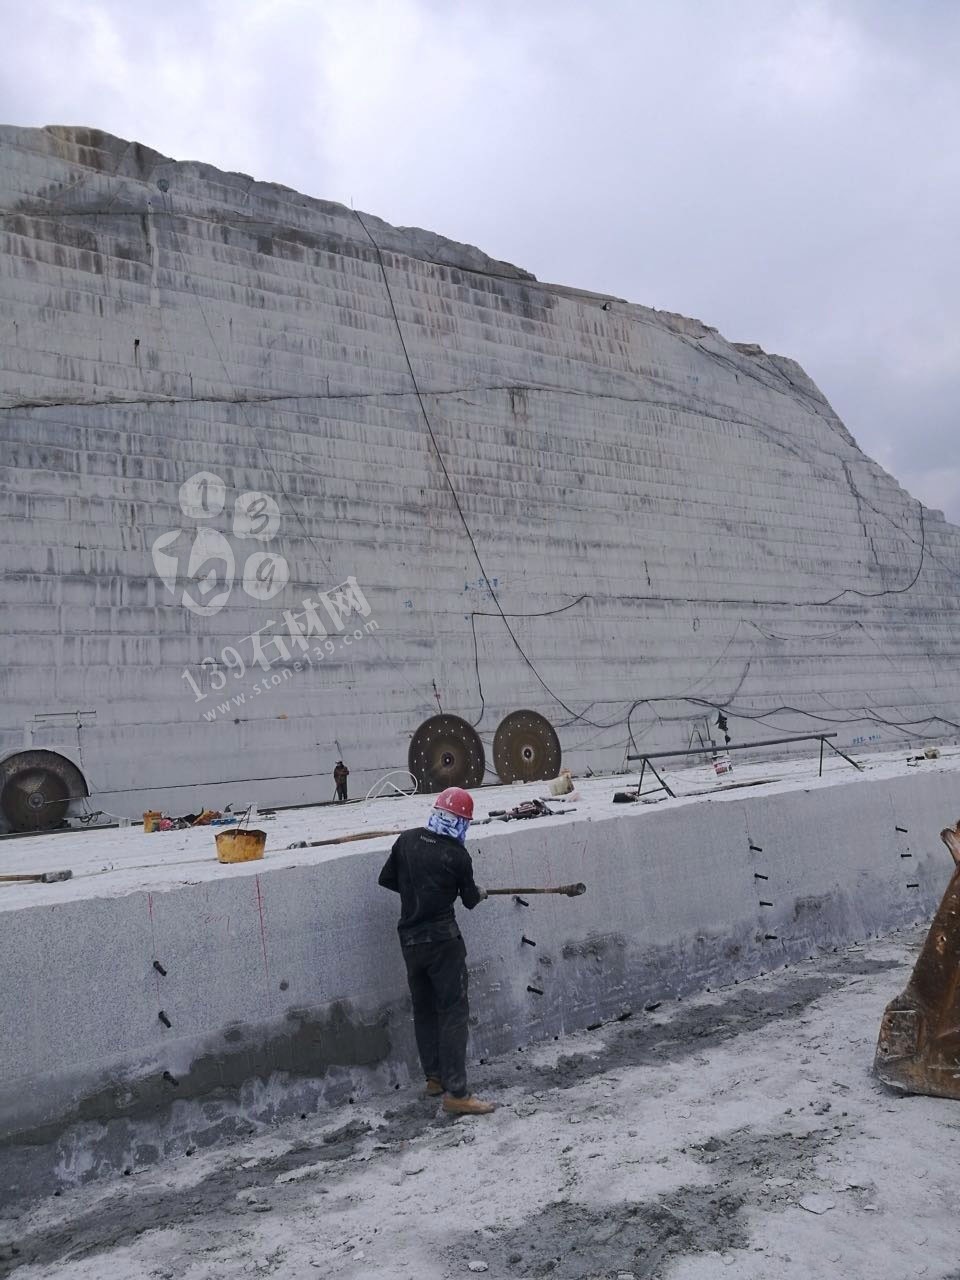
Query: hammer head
pixel 50 877
pixel 574 890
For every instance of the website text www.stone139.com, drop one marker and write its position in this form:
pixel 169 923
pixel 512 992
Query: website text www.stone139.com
pixel 273 679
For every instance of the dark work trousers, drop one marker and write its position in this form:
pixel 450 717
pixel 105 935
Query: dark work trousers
pixel 437 973
pixel 341 791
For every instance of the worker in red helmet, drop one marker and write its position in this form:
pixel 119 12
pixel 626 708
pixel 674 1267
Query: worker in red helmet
pixel 430 868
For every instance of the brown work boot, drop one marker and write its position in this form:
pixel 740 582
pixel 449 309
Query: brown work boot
pixel 466 1106
pixel 434 1087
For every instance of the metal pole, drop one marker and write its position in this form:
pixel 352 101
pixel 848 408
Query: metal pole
pixel 733 746
pixel 663 786
pixel 662 783
pixel 848 759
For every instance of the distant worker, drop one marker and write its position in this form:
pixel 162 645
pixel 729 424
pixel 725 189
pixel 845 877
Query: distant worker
pixel 429 868
pixel 722 726
pixel 340 775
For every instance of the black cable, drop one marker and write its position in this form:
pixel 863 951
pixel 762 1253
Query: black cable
pixel 476 667
pixel 543 613
pixel 575 716
pixel 900 529
pixel 795 393
pixel 888 591
pixel 784 709
pixel 479 613
pixel 820 635
pixel 453 492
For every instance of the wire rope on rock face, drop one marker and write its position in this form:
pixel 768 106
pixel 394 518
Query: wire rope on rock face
pixel 888 591
pixel 449 481
pixel 866 714
pixel 773 380
pixel 580 717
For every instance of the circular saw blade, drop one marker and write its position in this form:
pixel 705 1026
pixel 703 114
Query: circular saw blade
pixel 36 788
pixel 446 752
pixel 526 748
pixel 34 799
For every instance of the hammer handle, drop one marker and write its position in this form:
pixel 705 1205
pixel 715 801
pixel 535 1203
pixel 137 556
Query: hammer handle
pixel 39 877
pixel 570 890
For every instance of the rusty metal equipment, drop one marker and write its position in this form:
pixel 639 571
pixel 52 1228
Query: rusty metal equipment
pixel 240 844
pixel 36 788
pixel 918 1050
pixel 446 752
pixel 526 748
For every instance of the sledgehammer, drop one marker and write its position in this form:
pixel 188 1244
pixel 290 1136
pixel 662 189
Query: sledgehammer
pixel 568 890
pixel 40 877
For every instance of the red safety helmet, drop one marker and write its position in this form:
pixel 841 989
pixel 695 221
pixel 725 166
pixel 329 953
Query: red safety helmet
pixel 456 801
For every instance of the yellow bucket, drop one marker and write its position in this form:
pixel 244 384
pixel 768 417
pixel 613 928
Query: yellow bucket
pixel 151 819
pixel 238 845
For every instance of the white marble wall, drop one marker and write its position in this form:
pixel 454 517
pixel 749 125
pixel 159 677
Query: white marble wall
pixel 159 319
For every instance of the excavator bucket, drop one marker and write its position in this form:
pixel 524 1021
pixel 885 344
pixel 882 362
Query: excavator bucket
pixel 918 1050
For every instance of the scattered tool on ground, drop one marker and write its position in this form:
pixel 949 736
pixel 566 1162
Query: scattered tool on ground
pixel 528 809
pixel 568 890
pixel 39 877
pixel 357 835
pixel 918 1050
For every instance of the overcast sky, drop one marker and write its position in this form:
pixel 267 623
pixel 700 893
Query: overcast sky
pixel 786 170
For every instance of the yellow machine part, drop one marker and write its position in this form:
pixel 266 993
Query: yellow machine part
pixel 918 1050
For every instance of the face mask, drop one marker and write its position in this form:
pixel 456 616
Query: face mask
pixel 448 824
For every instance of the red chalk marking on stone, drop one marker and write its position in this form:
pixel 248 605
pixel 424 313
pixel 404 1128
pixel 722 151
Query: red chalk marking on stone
pixel 263 932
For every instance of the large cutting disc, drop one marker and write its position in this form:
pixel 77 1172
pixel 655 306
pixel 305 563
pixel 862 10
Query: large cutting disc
pixel 526 748
pixel 36 788
pixel 446 752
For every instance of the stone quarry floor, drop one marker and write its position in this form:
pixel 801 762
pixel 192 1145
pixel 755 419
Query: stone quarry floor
pixel 737 1134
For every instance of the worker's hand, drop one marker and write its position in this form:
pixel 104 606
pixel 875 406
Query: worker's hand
pixel 482 892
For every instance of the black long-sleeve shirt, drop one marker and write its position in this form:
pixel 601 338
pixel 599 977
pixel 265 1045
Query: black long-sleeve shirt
pixel 429 872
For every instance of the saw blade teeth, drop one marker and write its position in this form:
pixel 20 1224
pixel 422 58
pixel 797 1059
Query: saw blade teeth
pixel 526 748
pixel 446 752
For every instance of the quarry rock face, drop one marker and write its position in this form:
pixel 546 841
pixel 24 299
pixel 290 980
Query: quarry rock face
pixel 281 482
